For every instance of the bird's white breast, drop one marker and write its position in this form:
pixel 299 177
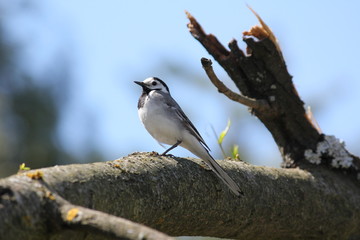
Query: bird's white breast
pixel 158 121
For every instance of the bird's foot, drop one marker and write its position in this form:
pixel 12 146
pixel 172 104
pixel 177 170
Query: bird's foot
pixel 154 154
pixel 167 155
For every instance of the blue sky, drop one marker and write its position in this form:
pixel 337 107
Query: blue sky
pixel 112 43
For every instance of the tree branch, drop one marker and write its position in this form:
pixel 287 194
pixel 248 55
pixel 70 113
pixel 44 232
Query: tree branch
pixel 30 210
pixel 85 220
pixel 267 87
pixel 253 103
pixel 179 197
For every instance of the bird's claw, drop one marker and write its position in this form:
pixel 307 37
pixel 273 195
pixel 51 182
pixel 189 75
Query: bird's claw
pixel 154 154
pixel 167 155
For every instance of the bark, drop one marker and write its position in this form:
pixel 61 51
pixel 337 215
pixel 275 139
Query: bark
pixel 31 207
pixel 179 197
pixel 267 89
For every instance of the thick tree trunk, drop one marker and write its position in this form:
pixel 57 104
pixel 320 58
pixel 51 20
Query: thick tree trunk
pixel 179 197
pixel 261 75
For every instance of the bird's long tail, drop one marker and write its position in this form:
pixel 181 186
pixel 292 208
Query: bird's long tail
pixel 197 149
pixel 215 167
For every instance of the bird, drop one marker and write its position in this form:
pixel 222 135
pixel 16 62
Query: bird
pixel 167 123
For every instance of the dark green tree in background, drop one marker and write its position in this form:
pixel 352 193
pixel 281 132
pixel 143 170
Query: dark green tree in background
pixel 29 113
pixel 30 105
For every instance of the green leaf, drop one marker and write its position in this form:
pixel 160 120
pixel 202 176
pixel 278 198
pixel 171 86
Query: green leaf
pixel 22 167
pixel 235 152
pixel 224 132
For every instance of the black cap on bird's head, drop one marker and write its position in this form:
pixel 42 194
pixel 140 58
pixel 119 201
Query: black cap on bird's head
pixel 153 83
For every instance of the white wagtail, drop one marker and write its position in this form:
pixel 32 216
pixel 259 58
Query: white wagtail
pixel 167 123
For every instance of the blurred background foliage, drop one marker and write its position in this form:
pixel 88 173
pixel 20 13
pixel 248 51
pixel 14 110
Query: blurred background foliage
pixel 31 105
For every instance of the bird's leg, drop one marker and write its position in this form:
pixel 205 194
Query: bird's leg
pixel 172 147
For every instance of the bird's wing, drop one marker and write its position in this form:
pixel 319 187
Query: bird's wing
pixel 174 106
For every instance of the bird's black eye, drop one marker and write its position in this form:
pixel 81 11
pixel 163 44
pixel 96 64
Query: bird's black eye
pixel 154 83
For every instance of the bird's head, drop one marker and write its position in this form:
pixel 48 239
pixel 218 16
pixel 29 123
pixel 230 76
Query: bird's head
pixel 153 83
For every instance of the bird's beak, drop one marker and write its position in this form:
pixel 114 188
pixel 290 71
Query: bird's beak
pixel 140 83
